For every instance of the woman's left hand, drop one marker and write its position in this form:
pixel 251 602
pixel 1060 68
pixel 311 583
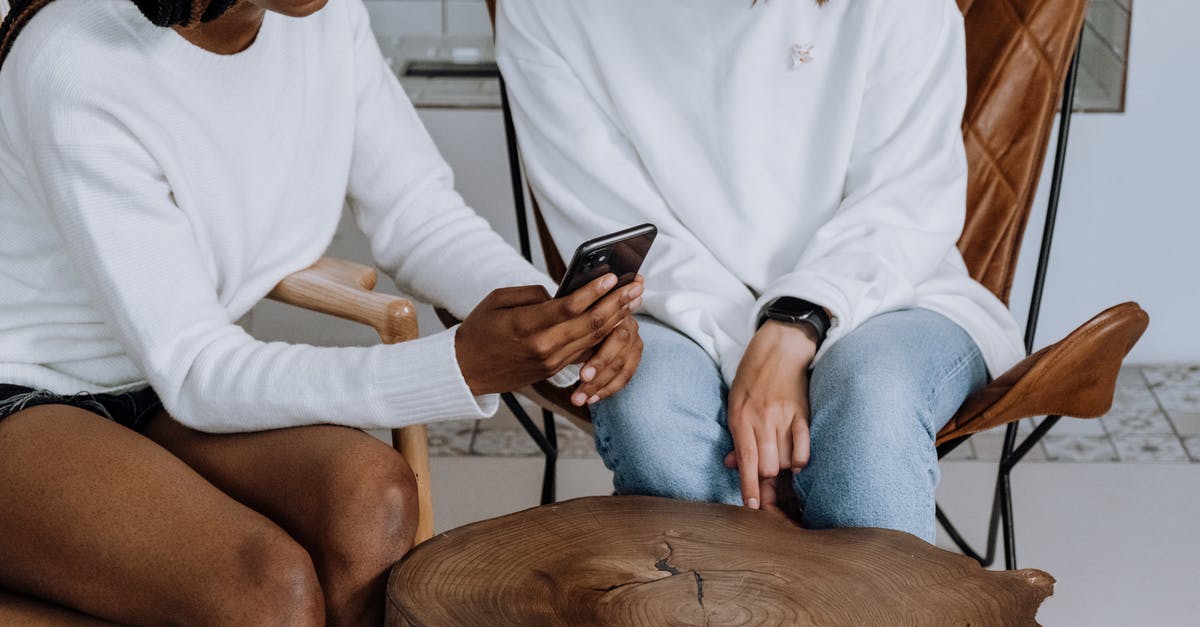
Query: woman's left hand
pixel 612 364
pixel 768 409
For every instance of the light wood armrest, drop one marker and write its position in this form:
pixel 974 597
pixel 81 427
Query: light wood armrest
pixel 344 289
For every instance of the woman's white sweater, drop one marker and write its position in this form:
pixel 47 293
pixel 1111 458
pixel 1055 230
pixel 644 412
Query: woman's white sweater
pixel 781 148
pixel 151 193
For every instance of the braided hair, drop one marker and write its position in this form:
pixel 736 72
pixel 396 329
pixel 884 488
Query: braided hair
pixel 161 12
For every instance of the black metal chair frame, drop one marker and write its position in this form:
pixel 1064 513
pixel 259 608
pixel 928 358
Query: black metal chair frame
pixel 1011 453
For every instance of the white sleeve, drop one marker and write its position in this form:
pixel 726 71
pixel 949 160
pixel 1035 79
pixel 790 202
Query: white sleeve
pixel 402 194
pixel 590 181
pixel 138 254
pixel 905 193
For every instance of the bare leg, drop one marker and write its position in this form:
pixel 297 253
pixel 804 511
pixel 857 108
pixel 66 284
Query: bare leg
pixel 28 612
pixel 101 520
pixel 348 498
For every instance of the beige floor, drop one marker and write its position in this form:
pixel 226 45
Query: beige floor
pixel 1120 538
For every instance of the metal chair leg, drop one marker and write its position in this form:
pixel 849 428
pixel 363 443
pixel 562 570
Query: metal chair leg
pixel 1002 509
pixel 546 441
pixel 550 473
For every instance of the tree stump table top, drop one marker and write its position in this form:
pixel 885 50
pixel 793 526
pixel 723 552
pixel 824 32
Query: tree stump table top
pixel 651 561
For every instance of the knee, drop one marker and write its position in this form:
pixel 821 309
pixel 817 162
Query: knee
pixel 272 581
pixel 371 513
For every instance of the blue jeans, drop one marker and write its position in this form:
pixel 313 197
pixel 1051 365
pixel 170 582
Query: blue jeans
pixel 877 400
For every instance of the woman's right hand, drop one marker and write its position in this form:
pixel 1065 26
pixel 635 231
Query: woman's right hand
pixel 519 335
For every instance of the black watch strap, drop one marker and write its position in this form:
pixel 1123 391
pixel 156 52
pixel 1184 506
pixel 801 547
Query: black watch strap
pixel 793 310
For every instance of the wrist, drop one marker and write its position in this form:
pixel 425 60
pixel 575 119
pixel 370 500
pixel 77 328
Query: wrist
pixel 798 342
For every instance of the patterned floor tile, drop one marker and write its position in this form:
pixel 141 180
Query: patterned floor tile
pixel 515 442
pixel 504 443
pixel 1180 398
pixel 1186 423
pixel 1074 448
pixel 1192 444
pixel 1150 448
pixel 1166 375
pixel 450 439
pixel 1131 376
pixel 1138 422
pixel 988 446
pixel 1127 398
pixel 1077 426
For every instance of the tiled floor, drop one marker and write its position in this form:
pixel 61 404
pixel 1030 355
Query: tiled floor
pixel 1155 418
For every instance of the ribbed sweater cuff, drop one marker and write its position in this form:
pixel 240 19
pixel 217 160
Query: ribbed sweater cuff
pixel 420 381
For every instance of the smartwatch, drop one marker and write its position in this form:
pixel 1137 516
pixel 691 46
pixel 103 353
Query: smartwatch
pixel 796 311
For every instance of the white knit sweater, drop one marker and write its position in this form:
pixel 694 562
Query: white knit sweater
pixel 151 193
pixel 781 148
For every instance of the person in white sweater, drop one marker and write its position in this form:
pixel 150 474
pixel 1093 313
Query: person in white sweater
pixel 163 164
pixel 808 314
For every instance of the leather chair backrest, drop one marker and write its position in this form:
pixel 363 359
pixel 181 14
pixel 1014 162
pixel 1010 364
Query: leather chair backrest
pixel 1018 55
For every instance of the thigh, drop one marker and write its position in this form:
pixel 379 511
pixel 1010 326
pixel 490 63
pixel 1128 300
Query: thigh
pixel 877 400
pixel 28 612
pixel 313 481
pixel 665 432
pixel 102 520
pixel 897 370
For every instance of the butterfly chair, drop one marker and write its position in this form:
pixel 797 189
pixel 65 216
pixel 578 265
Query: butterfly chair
pixel 345 289
pixel 1022 60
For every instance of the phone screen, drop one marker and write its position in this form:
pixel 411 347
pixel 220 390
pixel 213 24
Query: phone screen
pixel 620 253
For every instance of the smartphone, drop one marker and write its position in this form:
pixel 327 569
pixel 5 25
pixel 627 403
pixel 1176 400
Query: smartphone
pixel 620 253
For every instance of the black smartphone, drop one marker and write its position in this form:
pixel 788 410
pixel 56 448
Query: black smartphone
pixel 620 253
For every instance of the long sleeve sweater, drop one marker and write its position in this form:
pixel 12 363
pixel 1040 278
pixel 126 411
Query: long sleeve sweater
pixel 783 149
pixel 152 192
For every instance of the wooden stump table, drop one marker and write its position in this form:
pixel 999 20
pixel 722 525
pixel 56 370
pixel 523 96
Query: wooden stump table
pixel 652 561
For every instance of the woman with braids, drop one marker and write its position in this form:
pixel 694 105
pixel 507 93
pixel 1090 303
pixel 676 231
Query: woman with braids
pixel 810 324
pixel 162 166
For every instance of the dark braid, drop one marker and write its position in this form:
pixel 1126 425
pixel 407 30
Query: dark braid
pixel 160 12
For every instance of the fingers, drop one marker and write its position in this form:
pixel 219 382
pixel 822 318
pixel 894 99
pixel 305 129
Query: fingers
pixel 800 444
pixel 594 326
pixel 768 495
pixel 576 303
pixel 768 453
pixel 612 366
pixel 746 449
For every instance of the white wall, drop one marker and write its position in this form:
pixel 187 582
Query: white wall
pixel 1129 223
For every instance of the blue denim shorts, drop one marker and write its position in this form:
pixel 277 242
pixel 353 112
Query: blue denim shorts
pixel 130 409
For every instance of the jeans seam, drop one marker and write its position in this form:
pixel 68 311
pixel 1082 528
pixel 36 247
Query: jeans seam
pixel 958 367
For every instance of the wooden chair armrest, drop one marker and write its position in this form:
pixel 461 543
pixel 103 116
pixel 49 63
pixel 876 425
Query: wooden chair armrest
pixel 1075 377
pixel 344 289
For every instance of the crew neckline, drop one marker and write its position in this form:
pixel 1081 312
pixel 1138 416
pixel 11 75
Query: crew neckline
pixel 179 50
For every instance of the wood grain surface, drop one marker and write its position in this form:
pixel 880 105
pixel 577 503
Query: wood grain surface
pixel 651 561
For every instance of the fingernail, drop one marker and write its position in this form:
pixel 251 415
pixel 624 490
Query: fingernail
pixel 587 374
pixel 579 398
pixel 594 399
pixel 636 291
pixel 635 303
pixel 752 503
pixel 609 281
